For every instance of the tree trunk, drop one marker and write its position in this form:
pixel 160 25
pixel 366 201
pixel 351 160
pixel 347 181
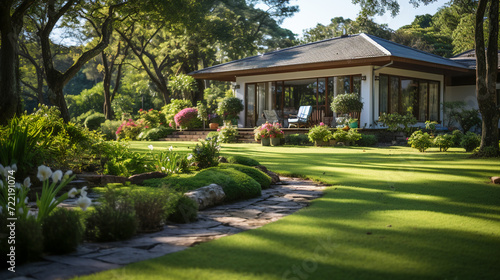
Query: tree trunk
pixel 10 27
pixel 107 85
pixel 486 75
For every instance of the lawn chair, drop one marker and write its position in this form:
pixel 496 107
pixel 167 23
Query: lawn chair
pixel 302 117
pixel 271 116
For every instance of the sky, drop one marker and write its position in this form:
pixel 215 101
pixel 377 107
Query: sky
pixel 313 12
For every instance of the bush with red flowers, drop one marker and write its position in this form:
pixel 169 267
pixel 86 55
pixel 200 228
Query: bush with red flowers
pixel 187 119
pixel 130 129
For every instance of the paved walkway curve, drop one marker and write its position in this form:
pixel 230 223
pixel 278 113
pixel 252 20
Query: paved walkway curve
pixel 216 222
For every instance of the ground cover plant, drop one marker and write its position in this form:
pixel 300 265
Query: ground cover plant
pixel 392 213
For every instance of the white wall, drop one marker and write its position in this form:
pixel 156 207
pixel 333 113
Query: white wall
pixel 369 87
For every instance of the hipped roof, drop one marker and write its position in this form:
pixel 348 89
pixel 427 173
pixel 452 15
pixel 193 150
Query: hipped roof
pixel 346 51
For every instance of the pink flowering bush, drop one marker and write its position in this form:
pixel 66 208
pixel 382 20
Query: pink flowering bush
pixel 187 118
pixel 268 130
pixel 130 129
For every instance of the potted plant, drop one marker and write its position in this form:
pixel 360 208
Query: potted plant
pixel 349 103
pixel 320 134
pixel 229 108
pixel 276 134
pixel 263 134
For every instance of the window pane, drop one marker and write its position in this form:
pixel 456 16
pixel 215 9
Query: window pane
pixel 433 101
pixel 342 85
pixel 261 100
pixel 356 84
pixel 278 96
pixel 422 101
pixel 394 95
pixel 408 93
pixel 383 93
pixel 250 105
pixel 330 94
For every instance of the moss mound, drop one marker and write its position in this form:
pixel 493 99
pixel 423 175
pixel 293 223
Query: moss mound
pixel 262 178
pixel 242 160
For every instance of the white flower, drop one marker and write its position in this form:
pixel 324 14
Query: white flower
pixel 57 175
pixel 151 147
pixel 18 186
pixel 83 191
pixel 1 208
pixel 1 185
pixel 14 167
pixel 44 173
pixel 190 157
pixel 27 182
pixel 162 168
pixel 5 172
pixel 26 200
pixel 1 169
pixel 170 148
pixel 83 202
pixel 20 211
pixel 72 192
pixel 67 174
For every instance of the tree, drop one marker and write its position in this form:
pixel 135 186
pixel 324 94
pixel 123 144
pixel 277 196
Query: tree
pixel 11 23
pixel 486 62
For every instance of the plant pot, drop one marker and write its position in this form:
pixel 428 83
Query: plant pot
pixel 353 125
pixel 265 141
pixel 333 142
pixel 346 128
pixel 213 125
pixel 275 141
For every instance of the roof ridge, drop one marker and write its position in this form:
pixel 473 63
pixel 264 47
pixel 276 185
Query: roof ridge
pixel 413 49
pixel 373 42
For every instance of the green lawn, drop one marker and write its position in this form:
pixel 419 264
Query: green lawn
pixel 392 213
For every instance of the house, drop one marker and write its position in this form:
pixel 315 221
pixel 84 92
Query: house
pixel 388 76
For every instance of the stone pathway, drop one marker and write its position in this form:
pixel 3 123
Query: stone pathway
pixel 216 222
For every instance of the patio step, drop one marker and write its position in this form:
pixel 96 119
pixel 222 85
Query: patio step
pixel 191 135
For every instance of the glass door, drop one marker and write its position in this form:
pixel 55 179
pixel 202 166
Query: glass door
pixel 250 92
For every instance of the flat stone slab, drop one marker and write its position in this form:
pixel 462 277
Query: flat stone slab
pixel 213 223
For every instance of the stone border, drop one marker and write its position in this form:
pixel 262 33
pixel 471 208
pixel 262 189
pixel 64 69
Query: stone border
pixel 213 223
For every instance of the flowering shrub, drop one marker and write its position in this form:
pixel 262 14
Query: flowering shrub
pixel 129 130
pixel 268 130
pixel 419 140
pixel 152 118
pixel 174 107
pixel 444 142
pixel 228 134
pixel 320 132
pixel 206 153
pixel 187 118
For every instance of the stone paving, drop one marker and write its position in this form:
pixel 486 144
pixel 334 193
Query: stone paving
pixel 213 223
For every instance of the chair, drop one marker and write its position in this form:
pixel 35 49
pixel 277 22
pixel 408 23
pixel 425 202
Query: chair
pixel 271 116
pixel 302 116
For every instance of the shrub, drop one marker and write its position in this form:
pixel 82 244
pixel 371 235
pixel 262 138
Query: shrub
pixel 81 118
pixel 268 130
pixel 187 118
pixel 457 137
pixel 353 135
pixel 228 134
pixel 154 134
pixel 470 141
pixel 62 231
pixel 262 178
pixel 297 139
pixel 174 107
pixel 206 153
pixel 151 209
pixel 467 118
pixel 242 160
pixel 212 134
pixel 170 162
pixel 129 130
pixel 93 122
pixel 444 142
pixel 397 122
pixel 319 132
pixel 230 107
pixel 347 103
pixel 113 219
pixel 340 135
pixel 109 128
pixel 29 240
pixel 185 210
pixel 419 140
pixel 367 140
pixel 152 118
